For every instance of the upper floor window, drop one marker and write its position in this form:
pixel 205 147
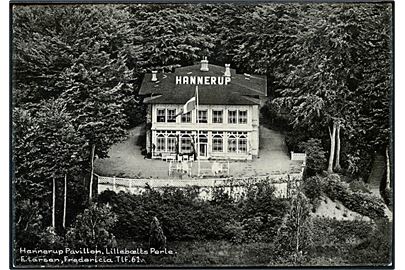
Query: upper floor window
pixel 232 117
pixel 202 116
pixel 161 115
pixel 171 115
pixel 186 118
pixel 242 117
pixel 217 116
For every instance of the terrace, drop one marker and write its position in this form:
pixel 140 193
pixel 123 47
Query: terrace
pixel 126 160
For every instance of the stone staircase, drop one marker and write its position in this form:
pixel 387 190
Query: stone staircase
pixel 377 174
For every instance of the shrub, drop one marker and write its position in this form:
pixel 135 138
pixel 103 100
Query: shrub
pixel 333 232
pixel 359 185
pixel 362 203
pixel 92 228
pixel 312 188
pixel 183 216
pixel 316 155
pixel 376 249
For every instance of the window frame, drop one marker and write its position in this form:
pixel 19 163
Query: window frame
pixel 245 117
pixel 186 116
pixel 215 147
pixel 160 137
pixel 171 138
pixel 235 121
pixel 159 117
pixel 173 119
pixel 206 116
pixel 216 117
pixel 235 140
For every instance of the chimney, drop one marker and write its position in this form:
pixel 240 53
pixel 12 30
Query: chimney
pixel 154 77
pixel 204 64
pixel 227 70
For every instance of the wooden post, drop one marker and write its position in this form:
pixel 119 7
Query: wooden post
pixel 64 203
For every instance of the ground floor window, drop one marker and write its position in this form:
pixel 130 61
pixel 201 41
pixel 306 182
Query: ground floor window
pixel 242 145
pixel 217 144
pixel 171 144
pixel 186 146
pixel 160 144
pixel 232 144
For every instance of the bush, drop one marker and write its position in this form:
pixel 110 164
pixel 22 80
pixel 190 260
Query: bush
pixel 359 185
pixel 316 155
pixel 312 188
pixel 362 203
pixel 92 228
pixel 184 216
pixel 376 249
pixel 332 232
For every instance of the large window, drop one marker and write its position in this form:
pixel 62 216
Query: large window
pixel 186 118
pixel 242 145
pixel 202 116
pixel 232 117
pixel 232 144
pixel 217 143
pixel 186 144
pixel 171 115
pixel 161 115
pixel 242 117
pixel 217 116
pixel 160 141
pixel 171 144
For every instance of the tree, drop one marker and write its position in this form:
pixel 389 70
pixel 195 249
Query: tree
pixel 324 85
pixel 295 234
pixel 44 142
pixel 315 154
pixel 92 228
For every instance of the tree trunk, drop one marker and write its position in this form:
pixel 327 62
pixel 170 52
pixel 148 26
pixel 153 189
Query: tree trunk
pixel 388 181
pixel 337 158
pixel 64 203
pixel 53 201
pixel 332 136
pixel 93 148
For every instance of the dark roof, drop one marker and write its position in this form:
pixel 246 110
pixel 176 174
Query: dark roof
pixel 244 89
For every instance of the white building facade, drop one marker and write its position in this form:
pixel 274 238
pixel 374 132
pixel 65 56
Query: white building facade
pixel 227 124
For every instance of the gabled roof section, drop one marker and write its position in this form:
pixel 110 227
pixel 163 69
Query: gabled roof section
pixel 243 89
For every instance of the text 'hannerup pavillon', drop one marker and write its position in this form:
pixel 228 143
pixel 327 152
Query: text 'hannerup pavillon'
pixel 228 107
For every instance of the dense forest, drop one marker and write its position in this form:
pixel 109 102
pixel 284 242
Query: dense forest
pixel 76 73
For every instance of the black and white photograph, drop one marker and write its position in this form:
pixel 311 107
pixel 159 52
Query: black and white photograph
pixel 222 134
